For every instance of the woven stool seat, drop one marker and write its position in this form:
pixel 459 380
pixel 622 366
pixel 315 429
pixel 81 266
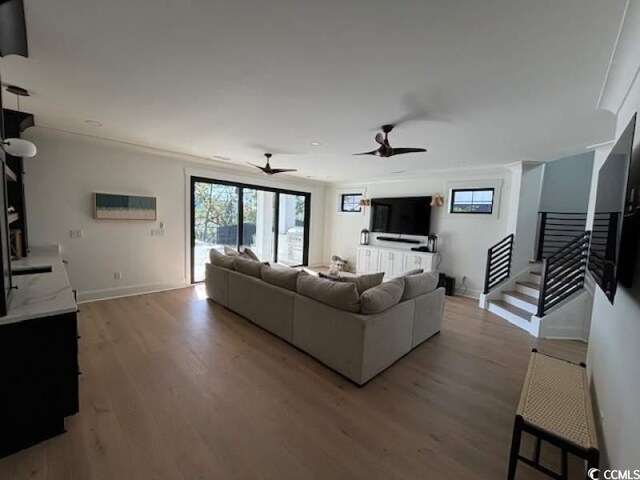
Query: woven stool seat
pixel 555 398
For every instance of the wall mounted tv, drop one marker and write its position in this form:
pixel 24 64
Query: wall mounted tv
pixel 616 223
pixel 401 215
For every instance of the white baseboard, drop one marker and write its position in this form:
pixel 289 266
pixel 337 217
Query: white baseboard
pixel 117 292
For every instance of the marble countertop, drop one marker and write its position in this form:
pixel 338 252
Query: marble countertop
pixel 40 294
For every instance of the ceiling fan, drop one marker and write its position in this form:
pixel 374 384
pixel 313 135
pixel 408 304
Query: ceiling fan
pixel 386 150
pixel 267 170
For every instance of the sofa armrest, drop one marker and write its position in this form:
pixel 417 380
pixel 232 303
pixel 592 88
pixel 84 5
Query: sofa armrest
pixel 428 315
pixel 216 283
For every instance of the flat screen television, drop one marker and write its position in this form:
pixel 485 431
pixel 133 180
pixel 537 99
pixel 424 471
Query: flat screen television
pixel 614 235
pixel 401 215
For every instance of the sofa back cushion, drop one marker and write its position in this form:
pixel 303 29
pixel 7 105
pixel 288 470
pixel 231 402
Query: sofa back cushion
pixel 250 254
pixel 341 295
pixel 414 271
pixel 416 285
pixel 364 282
pixel 246 266
pixel 280 276
pixel 220 259
pixel 230 251
pixel 383 297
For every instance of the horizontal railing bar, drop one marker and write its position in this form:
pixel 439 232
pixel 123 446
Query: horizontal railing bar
pixel 559 300
pixel 555 289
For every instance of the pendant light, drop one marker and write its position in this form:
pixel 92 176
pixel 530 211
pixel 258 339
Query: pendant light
pixel 18 147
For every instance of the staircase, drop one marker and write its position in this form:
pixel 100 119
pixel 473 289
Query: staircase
pixel 537 294
pixel 519 303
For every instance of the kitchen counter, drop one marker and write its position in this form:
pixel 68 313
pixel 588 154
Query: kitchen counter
pixel 39 294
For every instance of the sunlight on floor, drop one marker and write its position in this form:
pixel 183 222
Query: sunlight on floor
pixel 200 291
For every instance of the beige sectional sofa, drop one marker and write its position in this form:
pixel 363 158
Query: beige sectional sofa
pixel 330 326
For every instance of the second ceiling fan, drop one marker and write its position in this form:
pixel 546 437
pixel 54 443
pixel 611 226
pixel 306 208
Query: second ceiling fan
pixel 386 150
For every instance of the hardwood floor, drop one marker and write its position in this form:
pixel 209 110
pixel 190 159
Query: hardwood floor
pixel 176 387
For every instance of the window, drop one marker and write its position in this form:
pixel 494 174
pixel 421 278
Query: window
pixel 273 222
pixel 472 200
pixel 350 202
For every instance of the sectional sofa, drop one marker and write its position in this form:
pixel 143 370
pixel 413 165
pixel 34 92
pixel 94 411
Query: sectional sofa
pixel 355 330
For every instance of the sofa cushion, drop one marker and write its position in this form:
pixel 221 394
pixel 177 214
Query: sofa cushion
pixel 230 251
pixel 246 266
pixel 337 294
pixel 280 276
pixel 248 253
pixel 416 285
pixel 364 282
pixel 415 271
pixel 382 297
pixel 220 259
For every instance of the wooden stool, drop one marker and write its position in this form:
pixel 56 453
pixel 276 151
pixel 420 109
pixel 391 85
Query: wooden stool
pixel 555 406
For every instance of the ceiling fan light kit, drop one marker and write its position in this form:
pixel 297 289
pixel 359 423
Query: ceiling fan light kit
pixel 386 150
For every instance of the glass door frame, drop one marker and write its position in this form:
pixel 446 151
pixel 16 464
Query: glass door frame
pixel 240 236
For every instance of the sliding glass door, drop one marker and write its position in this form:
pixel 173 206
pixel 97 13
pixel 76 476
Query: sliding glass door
pixel 274 223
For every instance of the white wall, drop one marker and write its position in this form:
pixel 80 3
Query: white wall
pixel 566 184
pixel 60 181
pixel 527 215
pixel 463 240
pixel 614 346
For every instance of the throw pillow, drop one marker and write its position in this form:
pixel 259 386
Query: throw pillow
pixel 230 251
pixel 343 296
pixel 220 259
pixel 364 282
pixel 383 297
pixel 246 266
pixel 417 285
pixel 280 276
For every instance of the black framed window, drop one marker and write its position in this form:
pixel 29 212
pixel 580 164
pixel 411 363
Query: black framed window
pixel 472 201
pixel 273 222
pixel 350 202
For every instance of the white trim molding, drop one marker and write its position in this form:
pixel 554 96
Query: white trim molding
pixel 624 64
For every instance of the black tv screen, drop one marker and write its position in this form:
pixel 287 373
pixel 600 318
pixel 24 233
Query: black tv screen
pixel 614 235
pixel 402 215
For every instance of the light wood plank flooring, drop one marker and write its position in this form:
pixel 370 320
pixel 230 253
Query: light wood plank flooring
pixel 176 387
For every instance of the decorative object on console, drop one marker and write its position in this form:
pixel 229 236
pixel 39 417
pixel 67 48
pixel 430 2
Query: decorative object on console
pixel 109 206
pixel 364 202
pixel 364 236
pixel 432 243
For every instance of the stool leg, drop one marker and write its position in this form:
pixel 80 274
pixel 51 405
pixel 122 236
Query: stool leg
pixel 536 454
pixel 565 466
pixel 593 459
pixel 515 448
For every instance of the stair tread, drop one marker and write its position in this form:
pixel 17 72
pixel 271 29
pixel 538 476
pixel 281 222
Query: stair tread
pixel 522 296
pixel 535 286
pixel 513 309
pixel 537 274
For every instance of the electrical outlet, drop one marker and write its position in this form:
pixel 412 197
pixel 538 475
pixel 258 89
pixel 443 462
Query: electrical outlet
pixel 76 234
pixel 117 275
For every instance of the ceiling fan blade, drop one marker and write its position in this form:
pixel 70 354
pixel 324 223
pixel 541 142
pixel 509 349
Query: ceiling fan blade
pixel 282 170
pixel 372 152
pixel 400 151
pixel 264 169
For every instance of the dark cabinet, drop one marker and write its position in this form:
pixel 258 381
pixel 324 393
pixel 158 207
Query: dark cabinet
pixel 38 379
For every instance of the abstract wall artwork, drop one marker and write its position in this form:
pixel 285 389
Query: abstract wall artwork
pixel 108 206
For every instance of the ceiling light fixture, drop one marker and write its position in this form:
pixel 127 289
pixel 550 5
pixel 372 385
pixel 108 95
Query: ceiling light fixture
pixel 93 123
pixel 316 144
pixel 18 147
pixel 437 200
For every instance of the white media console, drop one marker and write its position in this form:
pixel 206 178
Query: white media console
pixel 393 261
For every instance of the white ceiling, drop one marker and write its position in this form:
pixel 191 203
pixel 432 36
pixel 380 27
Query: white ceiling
pixel 506 80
